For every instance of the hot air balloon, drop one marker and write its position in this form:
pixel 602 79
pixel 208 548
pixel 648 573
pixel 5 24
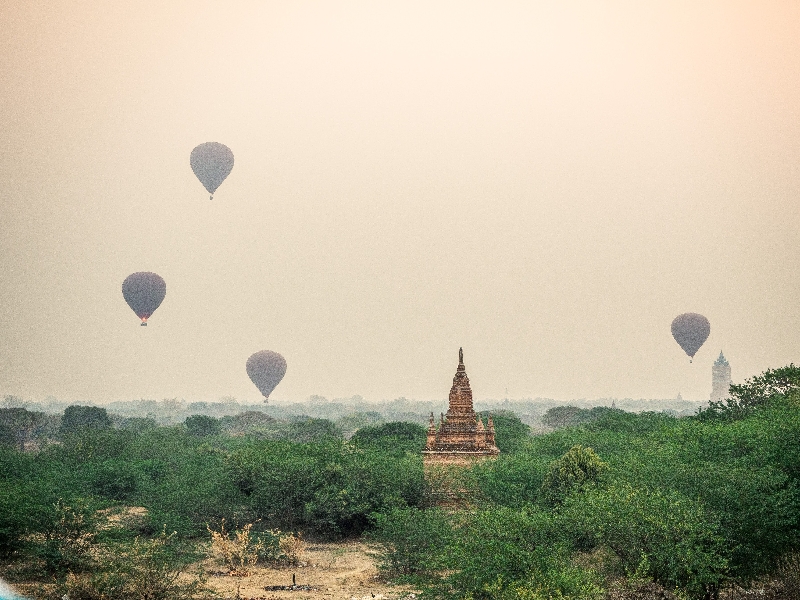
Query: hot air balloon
pixel 211 162
pixel 690 330
pixel 266 369
pixel 144 292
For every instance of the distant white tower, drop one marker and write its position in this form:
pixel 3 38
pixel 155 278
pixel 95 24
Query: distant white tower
pixel 720 378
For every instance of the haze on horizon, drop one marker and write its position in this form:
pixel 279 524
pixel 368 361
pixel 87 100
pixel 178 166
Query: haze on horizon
pixel 545 184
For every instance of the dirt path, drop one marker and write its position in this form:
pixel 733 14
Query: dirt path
pixel 343 571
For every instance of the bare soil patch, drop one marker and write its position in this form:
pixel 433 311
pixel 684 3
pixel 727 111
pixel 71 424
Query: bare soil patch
pixel 343 571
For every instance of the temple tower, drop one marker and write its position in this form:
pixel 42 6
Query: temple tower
pixel 720 378
pixel 461 436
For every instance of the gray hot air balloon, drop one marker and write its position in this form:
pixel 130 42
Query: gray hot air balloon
pixel 690 330
pixel 211 162
pixel 144 292
pixel 266 369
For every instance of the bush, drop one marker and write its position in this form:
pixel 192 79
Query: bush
pixel 511 480
pixel 658 534
pixel 14 507
pixel 412 541
pixel 240 553
pixel 359 484
pixel 331 489
pixel 573 471
pixel 114 479
pixel 151 569
pixel 507 554
pixel 89 445
pixel 499 546
pixel 66 543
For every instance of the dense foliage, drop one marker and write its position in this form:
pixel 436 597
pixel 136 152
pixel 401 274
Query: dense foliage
pixel 688 505
pixel 772 385
pixel 691 505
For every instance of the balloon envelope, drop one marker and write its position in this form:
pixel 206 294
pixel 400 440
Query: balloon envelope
pixel 266 369
pixel 144 292
pixel 211 162
pixel 690 330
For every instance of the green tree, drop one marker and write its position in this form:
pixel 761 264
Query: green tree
pixel 15 508
pixel 513 480
pixel 307 429
pixel 251 421
pixel 757 391
pixel 138 424
pixel 503 554
pixel 78 418
pixel 510 431
pixel 18 425
pixel 561 416
pixel 68 538
pixel 657 534
pixel 412 541
pixel 202 425
pixel 8 437
pixel 573 471
pixel 398 436
pixel 330 488
pixel 115 479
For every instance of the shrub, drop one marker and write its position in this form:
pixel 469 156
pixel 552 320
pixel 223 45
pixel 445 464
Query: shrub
pixel 242 551
pixel 66 543
pixel 412 541
pixel 573 471
pixel 14 508
pixel 239 553
pixel 511 480
pixel 659 534
pixel 330 489
pixel 291 546
pixel 114 479
pixel 151 570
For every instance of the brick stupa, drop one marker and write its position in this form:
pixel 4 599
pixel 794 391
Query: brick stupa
pixel 461 437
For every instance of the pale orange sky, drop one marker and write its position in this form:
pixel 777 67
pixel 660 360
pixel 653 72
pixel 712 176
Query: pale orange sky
pixel 545 184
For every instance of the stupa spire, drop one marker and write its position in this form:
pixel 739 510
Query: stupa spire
pixel 461 433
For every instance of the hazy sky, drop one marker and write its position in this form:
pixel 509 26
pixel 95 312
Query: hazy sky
pixel 547 184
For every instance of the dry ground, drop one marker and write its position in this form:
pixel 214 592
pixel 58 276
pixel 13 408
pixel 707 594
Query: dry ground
pixel 341 571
